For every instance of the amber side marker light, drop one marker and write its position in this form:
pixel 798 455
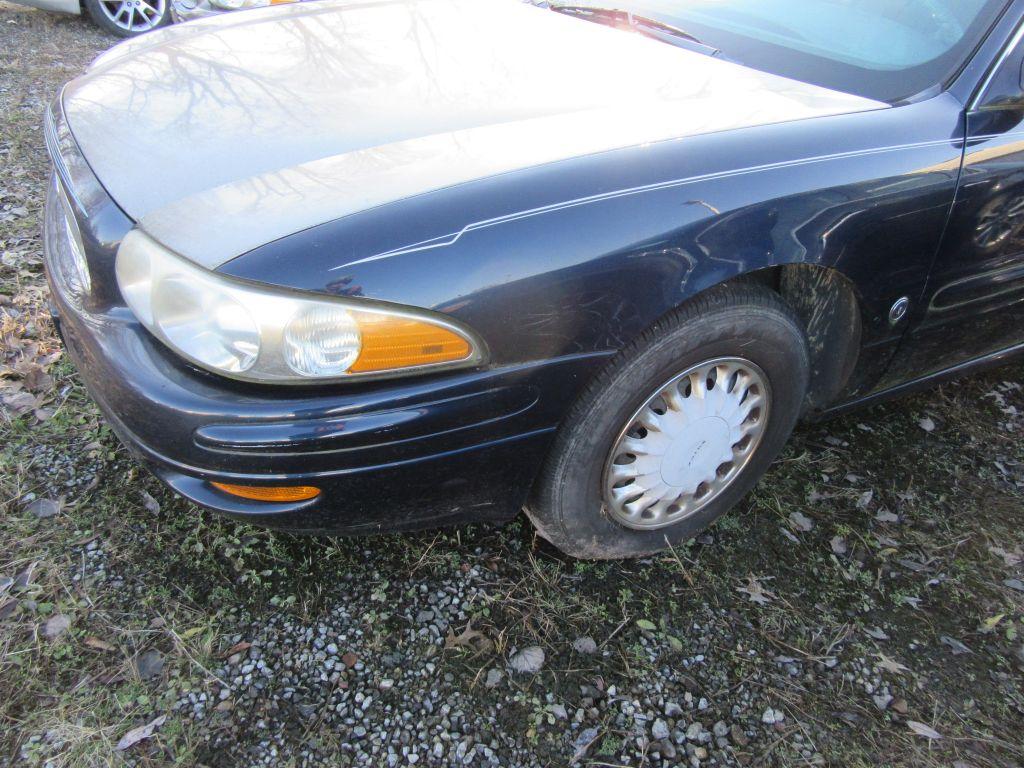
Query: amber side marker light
pixel 283 493
pixel 392 343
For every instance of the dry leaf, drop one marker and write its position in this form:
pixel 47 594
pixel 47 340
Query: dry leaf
pixel 470 638
pixel 236 648
pixel 801 521
pixel 151 504
pixel 1012 559
pixel 527 661
pixel 34 376
pixel 99 645
pixel 755 592
pixel 21 402
pixel 955 645
pixel 135 735
pixel 923 730
pixel 991 623
pixel 890 665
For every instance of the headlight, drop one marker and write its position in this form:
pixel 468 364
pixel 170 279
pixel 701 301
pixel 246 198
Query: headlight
pixel 260 334
pixel 64 243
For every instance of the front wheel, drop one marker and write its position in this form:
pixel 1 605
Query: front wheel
pixel 677 429
pixel 128 18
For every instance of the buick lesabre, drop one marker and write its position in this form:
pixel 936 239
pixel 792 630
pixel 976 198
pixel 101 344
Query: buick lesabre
pixel 357 267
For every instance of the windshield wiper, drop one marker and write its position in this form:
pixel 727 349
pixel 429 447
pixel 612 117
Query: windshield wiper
pixel 643 24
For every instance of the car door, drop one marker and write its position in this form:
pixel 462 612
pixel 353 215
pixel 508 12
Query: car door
pixel 974 302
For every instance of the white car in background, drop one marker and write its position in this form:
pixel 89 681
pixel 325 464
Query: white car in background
pixel 128 18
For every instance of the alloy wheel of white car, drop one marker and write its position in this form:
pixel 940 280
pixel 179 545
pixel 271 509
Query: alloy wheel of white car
pixel 128 18
pixel 134 15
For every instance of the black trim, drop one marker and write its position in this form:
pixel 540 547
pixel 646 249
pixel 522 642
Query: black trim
pixel 991 360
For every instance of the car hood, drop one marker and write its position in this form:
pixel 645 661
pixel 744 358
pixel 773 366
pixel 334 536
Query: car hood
pixel 221 135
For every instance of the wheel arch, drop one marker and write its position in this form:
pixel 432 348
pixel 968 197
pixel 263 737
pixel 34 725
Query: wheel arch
pixel 828 307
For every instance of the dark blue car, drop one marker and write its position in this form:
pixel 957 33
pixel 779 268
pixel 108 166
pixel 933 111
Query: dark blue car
pixel 359 267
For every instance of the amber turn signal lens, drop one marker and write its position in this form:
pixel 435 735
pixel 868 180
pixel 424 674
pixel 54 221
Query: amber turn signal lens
pixel 270 492
pixel 391 342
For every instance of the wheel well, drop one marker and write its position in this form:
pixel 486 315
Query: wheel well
pixel 826 303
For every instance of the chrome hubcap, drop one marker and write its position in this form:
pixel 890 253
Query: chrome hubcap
pixel 134 15
pixel 686 444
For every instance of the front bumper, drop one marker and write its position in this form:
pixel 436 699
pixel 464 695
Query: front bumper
pixel 392 455
pixel 423 455
pixel 448 449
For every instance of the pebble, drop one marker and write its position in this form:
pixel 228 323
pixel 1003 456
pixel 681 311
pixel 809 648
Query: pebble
pixel 149 664
pixel 55 626
pixel 772 716
pixel 494 676
pixel 584 645
pixel 43 508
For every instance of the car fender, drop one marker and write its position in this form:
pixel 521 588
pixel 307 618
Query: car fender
pixel 581 256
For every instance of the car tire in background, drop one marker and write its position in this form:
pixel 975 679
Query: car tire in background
pixel 699 406
pixel 129 18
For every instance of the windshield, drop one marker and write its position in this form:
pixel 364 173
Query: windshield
pixel 886 50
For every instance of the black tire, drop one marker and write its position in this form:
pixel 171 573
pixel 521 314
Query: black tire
pixel 100 19
pixel 746 321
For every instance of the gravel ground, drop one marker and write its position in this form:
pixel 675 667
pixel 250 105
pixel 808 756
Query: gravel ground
pixel 862 607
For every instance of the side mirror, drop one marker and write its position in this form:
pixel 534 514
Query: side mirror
pixel 1005 90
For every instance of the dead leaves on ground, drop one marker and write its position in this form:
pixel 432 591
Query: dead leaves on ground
pixel 236 648
pixel 891 665
pixel 470 639
pixel 135 735
pixel 100 645
pixel 1011 558
pixel 923 730
pixel 25 382
pixel 755 591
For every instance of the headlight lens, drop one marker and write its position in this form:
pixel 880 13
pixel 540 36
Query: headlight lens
pixel 64 243
pixel 210 326
pixel 259 334
pixel 321 341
